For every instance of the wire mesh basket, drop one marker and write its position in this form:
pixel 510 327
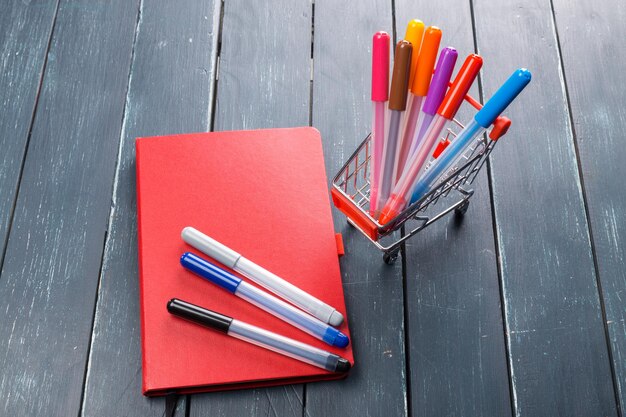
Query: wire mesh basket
pixel 351 189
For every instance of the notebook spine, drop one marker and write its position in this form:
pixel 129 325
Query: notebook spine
pixel 144 369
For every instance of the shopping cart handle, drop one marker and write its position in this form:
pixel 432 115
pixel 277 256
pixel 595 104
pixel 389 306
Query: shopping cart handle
pixel 500 127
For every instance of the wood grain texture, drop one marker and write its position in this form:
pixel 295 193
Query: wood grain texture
pixel 25 31
pixel 68 231
pixel 52 263
pixel 457 348
pixel 593 52
pixel 558 352
pixel 170 91
pixel 376 386
pixel 264 81
pixel 264 65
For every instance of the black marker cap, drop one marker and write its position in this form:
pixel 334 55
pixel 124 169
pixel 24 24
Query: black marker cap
pixel 335 363
pixel 343 365
pixel 199 315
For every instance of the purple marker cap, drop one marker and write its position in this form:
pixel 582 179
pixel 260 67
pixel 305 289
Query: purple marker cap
pixel 439 84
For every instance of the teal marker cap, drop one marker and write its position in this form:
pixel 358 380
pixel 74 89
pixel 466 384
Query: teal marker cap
pixel 503 97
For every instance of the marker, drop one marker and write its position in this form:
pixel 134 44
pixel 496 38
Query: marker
pixel 257 336
pixel 419 89
pixel 481 121
pixel 415 164
pixel 380 95
pixel 397 104
pixel 263 300
pixel 453 99
pixel 436 93
pixel 261 276
pixel 414 34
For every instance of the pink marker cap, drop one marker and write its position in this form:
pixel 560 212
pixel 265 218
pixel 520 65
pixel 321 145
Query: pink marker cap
pixel 380 66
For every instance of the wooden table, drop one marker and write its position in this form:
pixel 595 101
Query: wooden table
pixel 517 310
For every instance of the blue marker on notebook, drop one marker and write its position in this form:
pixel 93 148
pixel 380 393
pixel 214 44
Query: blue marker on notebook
pixel 279 286
pixel 263 300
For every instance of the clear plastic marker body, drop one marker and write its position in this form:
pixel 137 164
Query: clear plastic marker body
pixel 261 276
pixel 402 191
pixel 387 167
pixel 451 154
pixel 264 301
pixel 423 123
pixel 414 34
pixel 417 160
pixel 407 133
pixel 377 144
pixel 257 336
pixel 420 88
pixel 424 147
pixel 380 95
pixel 397 105
pixel 436 94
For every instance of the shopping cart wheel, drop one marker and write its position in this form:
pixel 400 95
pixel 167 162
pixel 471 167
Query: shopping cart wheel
pixel 390 257
pixel 462 209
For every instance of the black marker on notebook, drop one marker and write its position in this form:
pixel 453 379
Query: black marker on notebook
pixel 257 336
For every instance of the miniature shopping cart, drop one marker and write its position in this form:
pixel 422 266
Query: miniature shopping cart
pixel 351 189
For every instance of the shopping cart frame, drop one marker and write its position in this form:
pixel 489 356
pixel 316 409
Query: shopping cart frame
pixel 350 190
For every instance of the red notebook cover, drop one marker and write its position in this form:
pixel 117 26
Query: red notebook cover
pixel 264 194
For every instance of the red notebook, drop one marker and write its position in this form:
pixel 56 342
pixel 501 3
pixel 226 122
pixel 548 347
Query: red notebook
pixel 264 194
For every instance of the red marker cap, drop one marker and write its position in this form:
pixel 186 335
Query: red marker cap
pixel 460 86
pixel 380 66
pixel 426 61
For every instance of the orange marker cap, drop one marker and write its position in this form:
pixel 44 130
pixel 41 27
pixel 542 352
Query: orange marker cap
pixel 460 86
pixel 414 34
pixel 426 61
pixel 400 77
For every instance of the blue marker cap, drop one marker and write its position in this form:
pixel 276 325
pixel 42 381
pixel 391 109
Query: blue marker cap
pixel 503 97
pixel 210 272
pixel 334 337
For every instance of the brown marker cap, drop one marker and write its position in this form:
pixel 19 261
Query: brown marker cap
pixel 400 77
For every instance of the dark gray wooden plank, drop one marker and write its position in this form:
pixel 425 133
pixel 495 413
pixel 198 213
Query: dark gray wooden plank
pixel 593 54
pixel 376 385
pixel 456 336
pixel 53 256
pixel 170 91
pixel 558 352
pixel 264 81
pixel 264 65
pixel 25 30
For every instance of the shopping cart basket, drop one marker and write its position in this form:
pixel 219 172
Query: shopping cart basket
pixel 351 189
